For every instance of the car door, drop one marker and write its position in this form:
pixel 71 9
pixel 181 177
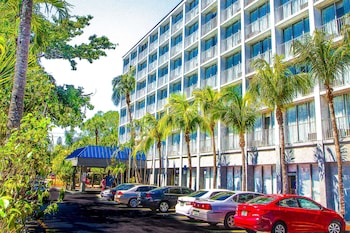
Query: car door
pixel 313 214
pixel 172 195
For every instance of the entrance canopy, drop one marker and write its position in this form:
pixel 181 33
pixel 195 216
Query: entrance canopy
pixel 101 156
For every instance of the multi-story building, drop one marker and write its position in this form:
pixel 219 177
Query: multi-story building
pixel 213 42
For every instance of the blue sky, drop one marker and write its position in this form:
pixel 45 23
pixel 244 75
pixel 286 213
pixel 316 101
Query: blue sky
pixel 124 22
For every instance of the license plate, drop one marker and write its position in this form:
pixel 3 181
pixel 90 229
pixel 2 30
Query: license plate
pixel 244 213
pixel 195 212
pixel 181 204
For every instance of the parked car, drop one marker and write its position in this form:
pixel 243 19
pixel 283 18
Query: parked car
pixel 163 198
pixel 221 207
pixel 108 194
pixel 184 203
pixel 129 196
pixel 287 212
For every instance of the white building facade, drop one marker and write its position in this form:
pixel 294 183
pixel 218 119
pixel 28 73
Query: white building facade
pixel 213 42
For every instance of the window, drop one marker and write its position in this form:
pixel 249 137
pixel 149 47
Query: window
pixel 191 29
pixel 192 5
pixel 233 60
pixel 140 105
pixel 209 16
pixel 259 12
pixel 191 80
pixel 210 43
pixel 162 94
pixel 228 3
pixel 210 71
pixel 163 50
pixel 162 72
pixel 123 113
pixel 307 204
pixel 177 17
pixel 153 38
pixel 232 29
pixel 151 99
pixel 176 64
pixel 151 78
pixel 142 47
pixel 192 54
pixel 142 66
pixel 261 47
pixel 296 30
pixel 126 62
pixel 141 85
pixel 176 40
pixel 334 11
pixel 164 29
pixel 152 57
pixel 176 87
pixel 133 55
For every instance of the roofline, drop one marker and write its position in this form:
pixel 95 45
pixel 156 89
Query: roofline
pixel 152 29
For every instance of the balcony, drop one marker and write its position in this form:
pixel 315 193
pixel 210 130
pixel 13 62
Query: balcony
pixel 229 142
pixel 290 8
pixel 177 26
pixel 342 80
pixel 231 10
pixel 123 120
pixel 151 86
pixel 343 125
pixel 175 73
pixel 140 113
pixel 152 66
pixel 258 26
pixel 191 64
pixel 176 49
pixel 162 80
pixel 173 149
pixel 231 74
pixel 189 40
pixel 188 90
pixel 286 48
pixel 133 62
pixel 335 26
pixel 142 54
pixel 193 147
pixel 212 81
pixel 267 56
pixel 210 25
pixel 140 93
pixel 191 14
pixel 161 103
pixel 164 37
pixel 151 108
pixel 231 41
pixel 261 137
pixel 153 45
pixel 209 53
pixel 206 3
pixel 163 58
pixel 301 132
pixel 141 73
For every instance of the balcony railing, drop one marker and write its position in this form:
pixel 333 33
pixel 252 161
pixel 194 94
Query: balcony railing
pixel 176 49
pixel 290 8
pixel 341 80
pixel 191 64
pixel 189 40
pixel 230 142
pixel 208 26
pixel 231 74
pixel 141 92
pixel 206 3
pixel 231 10
pixel 209 53
pixel 162 80
pixel 301 132
pixel 151 86
pixel 231 41
pixel 261 137
pixel 151 108
pixel 140 113
pixel 161 103
pixel 188 90
pixel 267 56
pixel 173 149
pixel 153 45
pixel 142 54
pixel 286 48
pixel 178 25
pixel 212 81
pixel 152 66
pixel 163 58
pixel 193 147
pixel 334 27
pixel 123 120
pixel 141 73
pixel 164 37
pixel 343 125
pixel 191 14
pixel 175 73
pixel 258 26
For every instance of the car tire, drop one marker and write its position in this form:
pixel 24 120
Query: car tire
pixel 163 206
pixel 279 227
pixel 250 231
pixel 133 203
pixel 229 220
pixel 334 227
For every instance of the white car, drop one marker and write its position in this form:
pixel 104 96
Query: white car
pixel 108 194
pixel 184 203
pixel 221 208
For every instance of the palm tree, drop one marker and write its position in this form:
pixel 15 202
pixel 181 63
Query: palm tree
pixel 22 55
pixel 208 100
pixel 95 125
pixel 153 132
pixel 327 61
pixel 123 86
pixel 240 113
pixel 183 115
pixel 276 87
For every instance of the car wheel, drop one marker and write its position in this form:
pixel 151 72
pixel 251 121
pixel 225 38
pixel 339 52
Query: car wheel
pixel 133 203
pixel 279 227
pixel 163 206
pixel 334 227
pixel 229 221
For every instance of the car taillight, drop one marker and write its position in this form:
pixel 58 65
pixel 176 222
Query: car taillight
pixel 188 203
pixel 113 192
pixel 120 193
pixel 148 195
pixel 192 203
pixel 204 206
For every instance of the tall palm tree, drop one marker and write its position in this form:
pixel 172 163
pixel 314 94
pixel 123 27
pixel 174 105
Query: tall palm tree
pixel 327 61
pixel 208 100
pixel 240 113
pixel 153 132
pixel 95 125
pixel 22 55
pixel 276 86
pixel 183 115
pixel 123 86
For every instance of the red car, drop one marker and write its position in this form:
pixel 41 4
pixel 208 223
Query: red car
pixel 282 213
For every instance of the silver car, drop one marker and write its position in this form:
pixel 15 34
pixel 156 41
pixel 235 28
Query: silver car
pixel 221 208
pixel 129 197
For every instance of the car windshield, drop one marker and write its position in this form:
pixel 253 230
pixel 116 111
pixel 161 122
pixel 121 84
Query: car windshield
pixel 222 196
pixel 198 193
pixel 261 200
pixel 125 186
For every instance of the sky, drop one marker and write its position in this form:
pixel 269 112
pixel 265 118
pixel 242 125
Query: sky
pixel 124 22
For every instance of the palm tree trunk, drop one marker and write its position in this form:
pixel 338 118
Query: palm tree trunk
pixel 187 139
pixel 279 117
pixel 214 156
pixel 132 132
pixel 17 98
pixel 244 168
pixel 337 152
pixel 159 146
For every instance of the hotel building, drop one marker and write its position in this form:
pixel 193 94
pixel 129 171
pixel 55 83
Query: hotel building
pixel 213 42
